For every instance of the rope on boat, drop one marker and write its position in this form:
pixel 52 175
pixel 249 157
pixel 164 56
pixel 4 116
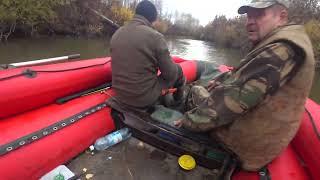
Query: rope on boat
pixel 313 124
pixel 30 72
pixel 35 136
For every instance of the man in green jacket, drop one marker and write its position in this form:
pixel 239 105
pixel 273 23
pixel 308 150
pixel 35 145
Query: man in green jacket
pixel 138 52
pixel 256 109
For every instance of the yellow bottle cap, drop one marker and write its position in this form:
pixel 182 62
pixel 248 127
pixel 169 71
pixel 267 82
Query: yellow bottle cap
pixel 187 162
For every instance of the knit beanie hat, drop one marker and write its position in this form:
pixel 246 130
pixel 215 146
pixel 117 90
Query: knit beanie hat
pixel 148 10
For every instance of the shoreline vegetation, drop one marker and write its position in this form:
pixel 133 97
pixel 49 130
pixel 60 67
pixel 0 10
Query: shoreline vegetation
pixel 75 18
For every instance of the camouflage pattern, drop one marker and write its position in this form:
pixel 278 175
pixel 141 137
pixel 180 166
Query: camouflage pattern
pixel 261 4
pixel 234 93
pixel 256 110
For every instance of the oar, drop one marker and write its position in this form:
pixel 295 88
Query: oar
pixel 45 61
pixel 84 93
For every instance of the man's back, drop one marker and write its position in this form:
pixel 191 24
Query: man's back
pixel 137 53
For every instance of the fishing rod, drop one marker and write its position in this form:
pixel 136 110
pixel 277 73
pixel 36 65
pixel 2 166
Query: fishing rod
pixel 114 25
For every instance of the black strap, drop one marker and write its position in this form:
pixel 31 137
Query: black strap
pixel 264 173
pixel 28 139
pixel 83 93
pixel 230 165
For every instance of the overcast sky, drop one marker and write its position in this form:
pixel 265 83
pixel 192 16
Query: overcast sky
pixel 204 10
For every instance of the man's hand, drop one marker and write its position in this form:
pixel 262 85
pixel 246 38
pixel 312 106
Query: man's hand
pixel 178 123
pixel 168 91
pixel 212 84
pixel 178 95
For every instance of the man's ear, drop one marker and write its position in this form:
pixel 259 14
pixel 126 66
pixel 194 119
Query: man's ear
pixel 284 16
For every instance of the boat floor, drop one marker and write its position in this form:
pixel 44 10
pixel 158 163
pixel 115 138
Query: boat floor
pixel 133 159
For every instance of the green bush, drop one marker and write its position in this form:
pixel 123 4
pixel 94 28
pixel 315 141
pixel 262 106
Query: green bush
pixel 230 33
pixel 313 29
pixel 121 14
pixel 29 13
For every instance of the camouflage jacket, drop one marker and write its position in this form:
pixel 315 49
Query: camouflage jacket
pixel 235 93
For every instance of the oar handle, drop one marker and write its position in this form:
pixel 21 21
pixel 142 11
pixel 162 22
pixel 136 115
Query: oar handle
pixel 74 56
pixel 45 61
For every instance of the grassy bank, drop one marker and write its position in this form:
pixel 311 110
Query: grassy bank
pixel 25 18
pixel 32 18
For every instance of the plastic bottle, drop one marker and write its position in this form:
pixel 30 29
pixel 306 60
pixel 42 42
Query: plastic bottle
pixel 112 139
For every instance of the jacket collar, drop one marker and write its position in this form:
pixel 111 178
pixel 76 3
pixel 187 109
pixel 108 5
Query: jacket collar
pixel 141 20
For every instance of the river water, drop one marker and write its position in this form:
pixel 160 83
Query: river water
pixel 18 50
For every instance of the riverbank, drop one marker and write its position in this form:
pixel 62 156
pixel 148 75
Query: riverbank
pixel 82 18
pixel 75 18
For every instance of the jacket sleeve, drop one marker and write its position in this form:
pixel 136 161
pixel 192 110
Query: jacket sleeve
pixel 169 70
pixel 243 90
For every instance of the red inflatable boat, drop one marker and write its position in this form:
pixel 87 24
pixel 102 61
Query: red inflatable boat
pixel 37 134
pixel 23 89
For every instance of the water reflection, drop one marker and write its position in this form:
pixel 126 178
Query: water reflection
pixel 18 50
pixel 31 49
pixel 201 50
